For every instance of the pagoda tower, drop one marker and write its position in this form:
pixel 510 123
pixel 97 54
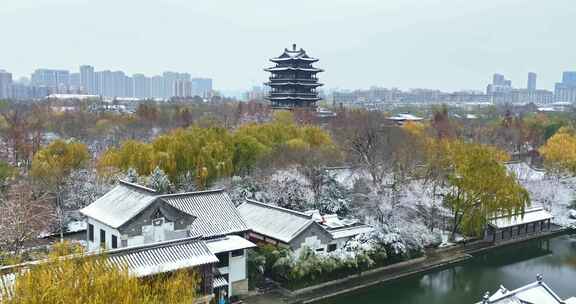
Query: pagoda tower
pixel 293 80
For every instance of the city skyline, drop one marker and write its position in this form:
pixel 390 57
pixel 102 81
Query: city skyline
pixel 449 45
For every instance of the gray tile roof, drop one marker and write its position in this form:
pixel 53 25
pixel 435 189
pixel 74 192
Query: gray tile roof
pixel 220 281
pixel 537 293
pixel 162 257
pixel 120 204
pixel 531 215
pixel 141 261
pixel 215 212
pixel 279 223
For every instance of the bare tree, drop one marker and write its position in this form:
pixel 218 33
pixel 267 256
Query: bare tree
pixel 23 216
pixel 371 142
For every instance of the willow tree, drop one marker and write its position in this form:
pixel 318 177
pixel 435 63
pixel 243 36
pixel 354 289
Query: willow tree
pixel 53 164
pixel 90 279
pixel 479 186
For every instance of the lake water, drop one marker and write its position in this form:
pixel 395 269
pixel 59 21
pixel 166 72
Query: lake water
pixel 466 283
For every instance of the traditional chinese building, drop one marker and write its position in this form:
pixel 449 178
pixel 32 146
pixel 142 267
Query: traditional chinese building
pixel 293 80
pixel 294 230
pixel 536 293
pixel 134 216
pixel 530 223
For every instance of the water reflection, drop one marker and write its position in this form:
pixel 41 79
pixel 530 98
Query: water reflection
pixel 511 266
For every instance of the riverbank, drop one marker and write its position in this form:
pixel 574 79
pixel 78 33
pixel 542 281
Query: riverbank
pixel 434 260
pixel 363 280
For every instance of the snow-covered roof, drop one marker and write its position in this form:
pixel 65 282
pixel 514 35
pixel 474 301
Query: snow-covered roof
pixel 219 281
pixel 72 96
pixel 279 223
pixel 309 84
pixel 163 257
pixel 536 293
pixel 120 204
pixel 350 231
pixel 140 261
pixel 228 243
pixel 274 69
pixel 546 109
pixel 76 226
pixel 215 212
pixel 339 227
pixel 530 216
pixel 523 171
pixel 404 117
pixel 293 55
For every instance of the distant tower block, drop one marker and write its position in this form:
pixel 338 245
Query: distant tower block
pixel 531 82
pixel 293 80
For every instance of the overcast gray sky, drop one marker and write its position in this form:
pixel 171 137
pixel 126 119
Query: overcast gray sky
pixel 445 44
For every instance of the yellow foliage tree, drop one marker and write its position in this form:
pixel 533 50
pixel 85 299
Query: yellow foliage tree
pixel 212 152
pixel 54 163
pixel 479 185
pixel 83 279
pixel 559 152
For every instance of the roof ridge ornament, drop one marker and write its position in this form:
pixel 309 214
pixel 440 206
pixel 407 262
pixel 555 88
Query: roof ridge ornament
pixel 293 46
pixel 486 298
pixel 539 278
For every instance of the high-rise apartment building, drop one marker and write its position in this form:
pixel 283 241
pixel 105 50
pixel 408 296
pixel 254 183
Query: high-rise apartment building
pixel 56 80
pixel 531 85
pixel 569 78
pixel 182 88
pixel 105 83
pixel 5 84
pixel 75 83
pixel 170 79
pixel 157 87
pixel 201 87
pixel 87 79
pixel 141 86
pixel 499 85
pixel 119 84
pixel 565 91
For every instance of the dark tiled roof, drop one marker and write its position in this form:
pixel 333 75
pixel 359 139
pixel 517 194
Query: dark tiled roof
pixel 215 212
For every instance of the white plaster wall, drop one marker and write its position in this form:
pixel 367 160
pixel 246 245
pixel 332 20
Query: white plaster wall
pixel 95 246
pixel 136 240
pixel 312 242
pixel 238 268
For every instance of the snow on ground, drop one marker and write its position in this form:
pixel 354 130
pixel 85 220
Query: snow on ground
pixel 524 172
pixel 347 177
pixel 555 195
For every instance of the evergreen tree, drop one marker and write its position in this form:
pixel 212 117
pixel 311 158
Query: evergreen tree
pixel 159 181
pixel 131 175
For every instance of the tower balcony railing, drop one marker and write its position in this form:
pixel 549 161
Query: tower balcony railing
pixel 296 94
pixel 291 65
pixel 295 78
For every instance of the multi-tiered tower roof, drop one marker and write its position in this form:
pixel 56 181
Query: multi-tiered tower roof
pixel 293 81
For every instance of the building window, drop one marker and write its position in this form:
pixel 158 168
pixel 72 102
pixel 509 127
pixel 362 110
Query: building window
pixel 320 250
pixel 238 253
pixel 223 259
pixel 332 247
pixel 91 232
pixel 102 238
pixel 114 242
